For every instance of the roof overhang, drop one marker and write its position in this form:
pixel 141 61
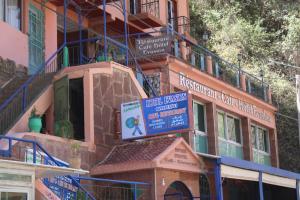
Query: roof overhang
pixel 246 170
pixel 178 156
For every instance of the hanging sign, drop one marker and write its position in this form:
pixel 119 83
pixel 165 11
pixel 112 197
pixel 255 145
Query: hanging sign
pixel 148 117
pixel 153 45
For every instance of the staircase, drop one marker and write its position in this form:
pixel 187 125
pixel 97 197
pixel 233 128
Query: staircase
pixel 19 94
pixel 30 151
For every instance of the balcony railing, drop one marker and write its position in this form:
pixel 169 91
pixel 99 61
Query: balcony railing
pixel 145 6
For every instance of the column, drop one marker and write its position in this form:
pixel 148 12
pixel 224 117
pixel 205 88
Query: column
pixel 273 147
pixel 209 64
pixel 212 128
pixel 243 81
pixel 247 143
pixel 261 187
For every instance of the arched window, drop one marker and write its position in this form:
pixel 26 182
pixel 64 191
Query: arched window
pixel 178 190
pixel 204 187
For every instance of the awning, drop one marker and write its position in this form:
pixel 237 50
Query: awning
pixel 238 173
pixel 40 170
pixel 250 175
pixel 279 181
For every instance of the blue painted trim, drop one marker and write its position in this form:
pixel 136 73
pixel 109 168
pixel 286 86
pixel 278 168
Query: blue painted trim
pixel 135 192
pixel 65 20
pixel 104 29
pixel 261 187
pixel 80 37
pixel 125 30
pixel 218 180
pixel 258 167
pixel 298 189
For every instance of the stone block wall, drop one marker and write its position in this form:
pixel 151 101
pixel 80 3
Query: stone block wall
pixel 109 92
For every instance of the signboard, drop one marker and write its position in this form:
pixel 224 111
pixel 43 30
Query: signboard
pixel 227 99
pixel 153 45
pixel 153 116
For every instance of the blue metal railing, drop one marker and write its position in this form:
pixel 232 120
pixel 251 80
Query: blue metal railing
pixel 37 151
pixel 198 57
pixel 17 103
pixel 116 189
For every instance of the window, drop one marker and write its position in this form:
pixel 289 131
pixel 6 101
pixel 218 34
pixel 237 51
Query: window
pixel 200 138
pixel 221 125
pixel 10 12
pixel 13 196
pixel 260 138
pixel 199 117
pixel 229 127
pixel 204 187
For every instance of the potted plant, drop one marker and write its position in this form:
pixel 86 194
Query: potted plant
pixel 64 128
pixel 35 121
pixel 75 158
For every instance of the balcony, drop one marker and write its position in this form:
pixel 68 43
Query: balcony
pixel 182 25
pixel 204 60
pixel 145 14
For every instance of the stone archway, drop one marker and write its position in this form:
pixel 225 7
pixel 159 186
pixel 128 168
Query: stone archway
pixel 178 191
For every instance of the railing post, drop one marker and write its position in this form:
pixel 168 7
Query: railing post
pixel 261 189
pixel 202 62
pixel 24 95
pixel 34 152
pixel 298 189
pixel 9 147
pixel 125 30
pixel 104 29
pixel 80 36
pixel 217 69
pixel 176 48
pixel 135 192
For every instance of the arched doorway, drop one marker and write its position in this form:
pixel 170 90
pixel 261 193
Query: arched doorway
pixel 178 191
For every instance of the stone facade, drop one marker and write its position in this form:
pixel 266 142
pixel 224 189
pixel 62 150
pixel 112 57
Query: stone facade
pixel 109 93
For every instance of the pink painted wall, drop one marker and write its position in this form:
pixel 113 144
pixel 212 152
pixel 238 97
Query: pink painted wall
pixel 13 44
pixel 50 31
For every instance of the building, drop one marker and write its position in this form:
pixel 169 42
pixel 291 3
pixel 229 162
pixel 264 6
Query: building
pixel 78 61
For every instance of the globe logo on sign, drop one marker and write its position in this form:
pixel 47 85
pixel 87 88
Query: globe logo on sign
pixel 133 122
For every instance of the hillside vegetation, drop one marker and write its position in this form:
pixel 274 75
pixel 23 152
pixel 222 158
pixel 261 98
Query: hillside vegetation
pixel 262 32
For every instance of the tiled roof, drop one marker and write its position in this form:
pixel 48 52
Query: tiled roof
pixel 145 150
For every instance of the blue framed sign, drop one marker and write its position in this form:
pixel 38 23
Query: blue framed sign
pixel 157 115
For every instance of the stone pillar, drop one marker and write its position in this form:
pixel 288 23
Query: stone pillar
pixel 247 143
pixel 184 50
pixel 269 95
pixel 243 82
pixel 212 128
pixel 273 147
pixel 209 65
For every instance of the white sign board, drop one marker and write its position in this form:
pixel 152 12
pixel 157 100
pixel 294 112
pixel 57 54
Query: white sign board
pixel 133 125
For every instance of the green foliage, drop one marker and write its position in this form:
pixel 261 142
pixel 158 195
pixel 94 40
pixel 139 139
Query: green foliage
pixel 262 31
pixel 64 128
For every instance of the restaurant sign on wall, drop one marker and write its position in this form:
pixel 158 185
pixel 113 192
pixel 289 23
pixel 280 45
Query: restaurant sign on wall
pixel 158 115
pixel 153 45
pixel 224 98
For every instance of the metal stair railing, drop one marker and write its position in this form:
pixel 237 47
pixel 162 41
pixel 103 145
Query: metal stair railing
pixel 19 149
pixel 17 103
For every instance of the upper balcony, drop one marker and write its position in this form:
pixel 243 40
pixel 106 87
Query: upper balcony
pixel 198 57
pixel 144 13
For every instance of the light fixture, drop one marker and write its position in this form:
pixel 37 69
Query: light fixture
pixel 163 183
